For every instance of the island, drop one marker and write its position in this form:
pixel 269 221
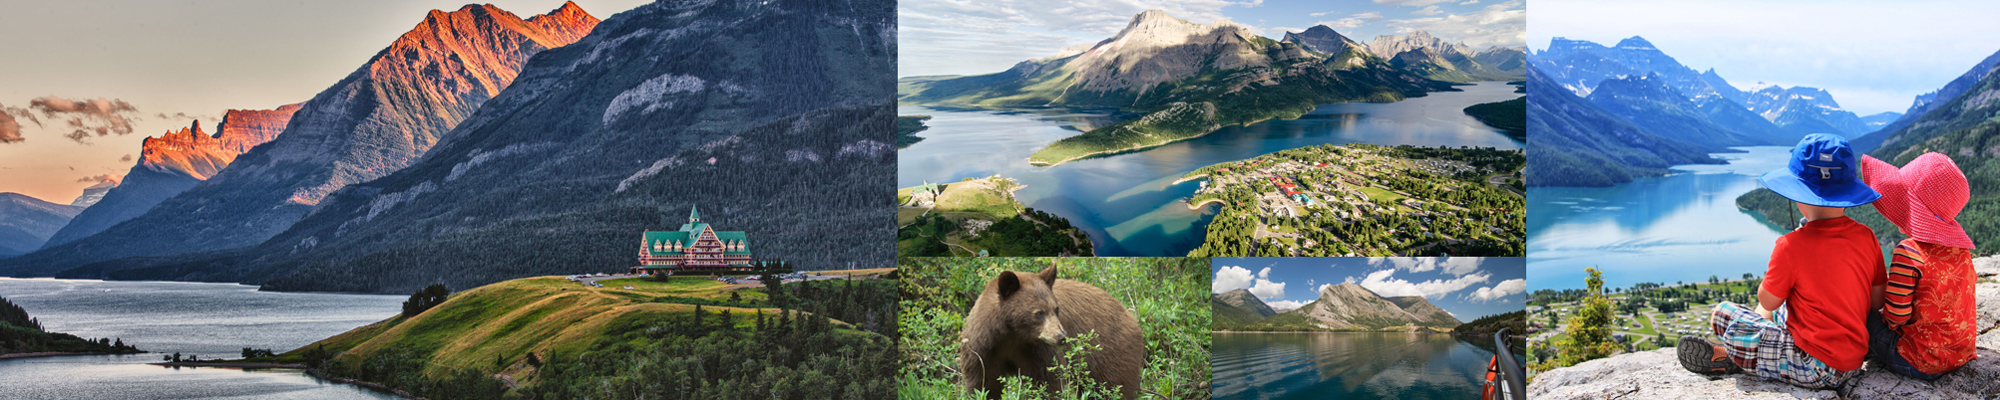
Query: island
pixel 980 217
pixel 1364 200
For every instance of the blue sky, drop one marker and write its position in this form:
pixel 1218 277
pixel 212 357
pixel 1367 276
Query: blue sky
pixel 959 37
pixel 197 58
pixel 1467 287
pixel 1872 56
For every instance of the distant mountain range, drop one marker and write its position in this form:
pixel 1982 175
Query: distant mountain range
pixel 378 119
pixel 1344 306
pixel 1681 113
pixel 1905 132
pixel 1960 120
pixel 1573 142
pixel 724 105
pixel 1452 62
pixel 172 163
pixel 27 222
pixel 1185 79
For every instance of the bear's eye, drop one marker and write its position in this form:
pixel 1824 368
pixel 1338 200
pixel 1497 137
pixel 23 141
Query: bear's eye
pixel 1041 314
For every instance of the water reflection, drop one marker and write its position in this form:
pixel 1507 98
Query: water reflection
pixel 1680 227
pixel 1347 366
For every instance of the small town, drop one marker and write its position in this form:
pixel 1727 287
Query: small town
pixel 1364 200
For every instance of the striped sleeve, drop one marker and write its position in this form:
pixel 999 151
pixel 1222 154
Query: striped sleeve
pixel 1906 268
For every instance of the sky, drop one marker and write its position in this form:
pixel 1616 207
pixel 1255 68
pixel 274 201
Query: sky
pixel 1467 287
pixel 961 37
pixel 1871 56
pixel 171 62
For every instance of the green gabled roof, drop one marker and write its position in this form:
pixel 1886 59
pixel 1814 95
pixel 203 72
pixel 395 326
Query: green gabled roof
pixel 693 227
pixel 694 214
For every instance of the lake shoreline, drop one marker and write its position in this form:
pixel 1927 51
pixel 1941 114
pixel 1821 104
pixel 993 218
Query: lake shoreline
pixel 10 356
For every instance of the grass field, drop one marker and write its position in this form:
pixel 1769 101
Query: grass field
pixel 1167 295
pixel 504 329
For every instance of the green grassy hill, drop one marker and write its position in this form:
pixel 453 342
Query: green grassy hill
pixel 547 337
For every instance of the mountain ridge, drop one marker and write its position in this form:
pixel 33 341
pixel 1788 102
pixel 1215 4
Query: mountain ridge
pixel 376 120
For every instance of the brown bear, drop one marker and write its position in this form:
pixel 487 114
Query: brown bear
pixel 1018 324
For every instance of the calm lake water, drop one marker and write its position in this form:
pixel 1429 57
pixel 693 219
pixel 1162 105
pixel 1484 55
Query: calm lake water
pixel 1127 202
pixel 1347 365
pixel 1679 227
pixel 207 319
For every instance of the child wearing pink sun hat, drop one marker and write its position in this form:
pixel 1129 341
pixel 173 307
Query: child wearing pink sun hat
pixel 1928 325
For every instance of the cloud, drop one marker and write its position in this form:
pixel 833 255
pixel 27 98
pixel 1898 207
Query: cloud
pixel 1411 3
pixel 1386 284
pixel 1456 266
pixel 1285 305
pixel 98 178
pixel 1499 291
pixel 99 116
pixel 1432 10
pixel 127 157
pixel 1469 2
pixel 10 128
pixel 1503 24
pixel 1259 284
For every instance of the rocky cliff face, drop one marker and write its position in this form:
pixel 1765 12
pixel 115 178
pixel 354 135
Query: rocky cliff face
pixel 1350 306
pixel 1242 299
pixel 1426 313
pixel 1156 47
pixel 1387 46
pixel 1657 374
pixel 770 128
pixel 94 193
pixel 378 119
pixel 1322 39
pixel 26 222
pixel 172 163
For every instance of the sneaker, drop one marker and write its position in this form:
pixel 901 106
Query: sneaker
pixel 1704 357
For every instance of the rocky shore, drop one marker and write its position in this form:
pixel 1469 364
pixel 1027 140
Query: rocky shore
pixel 1657 374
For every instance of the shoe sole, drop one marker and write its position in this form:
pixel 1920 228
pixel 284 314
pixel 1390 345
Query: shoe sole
pixel 1698 356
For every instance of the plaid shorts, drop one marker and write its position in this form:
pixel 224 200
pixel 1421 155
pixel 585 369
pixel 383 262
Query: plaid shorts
pixel 1765 350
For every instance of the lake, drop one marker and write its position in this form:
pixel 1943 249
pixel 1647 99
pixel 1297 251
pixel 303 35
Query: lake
pixel 1127 202
pixel 1680 227
pixel 212 320
pixel 1347 365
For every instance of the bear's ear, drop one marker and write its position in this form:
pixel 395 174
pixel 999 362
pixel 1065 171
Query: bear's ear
pixel 1009 284
pixel 1048 275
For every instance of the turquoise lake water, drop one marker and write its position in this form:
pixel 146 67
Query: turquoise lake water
pixel 1679 227
pixel 1127 202
pixel 1348 365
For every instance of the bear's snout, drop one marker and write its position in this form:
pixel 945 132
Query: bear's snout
pixel 1052 331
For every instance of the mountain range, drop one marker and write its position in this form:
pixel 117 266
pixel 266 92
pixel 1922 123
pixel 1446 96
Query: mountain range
pixel 1183 80
pixel 172 163
pixel 727 106
pixel 27 222
pixel 1451 62
pixel 1960 120
pixel 1905 132
pixel 1660 111
pixel 1344 306
pixel 376 120
pixel 1573 142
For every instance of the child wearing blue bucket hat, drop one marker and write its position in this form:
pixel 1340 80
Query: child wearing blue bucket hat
pixel 1809 327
